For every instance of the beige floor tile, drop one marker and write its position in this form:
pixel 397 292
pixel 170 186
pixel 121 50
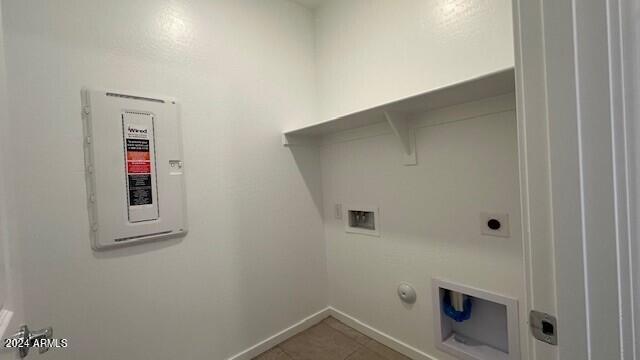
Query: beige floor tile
pixel 359 337
pixel 320 342
pixel 274 354
pixel 385 352
pixel 365 354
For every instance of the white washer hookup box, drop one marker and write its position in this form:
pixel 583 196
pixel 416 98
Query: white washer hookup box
pixel 134 168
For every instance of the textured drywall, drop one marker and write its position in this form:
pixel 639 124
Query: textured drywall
pixel 429 220
pixel 9 294
pixel 4 136
pixel 253 262
pixel 371 52
pixel 10 278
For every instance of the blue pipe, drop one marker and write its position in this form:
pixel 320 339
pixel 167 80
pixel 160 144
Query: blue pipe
pixel 450 311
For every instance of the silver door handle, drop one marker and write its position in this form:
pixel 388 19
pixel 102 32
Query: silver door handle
pixel 29 339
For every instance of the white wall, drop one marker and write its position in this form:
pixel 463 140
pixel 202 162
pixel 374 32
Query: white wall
pixel 247 270
pixel 429 217
pixel 374 51
pixel 10 281
pixel 10 290
pixel 4 226
pixel 243 71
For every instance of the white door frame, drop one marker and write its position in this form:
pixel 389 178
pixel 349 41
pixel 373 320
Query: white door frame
pixel 573 175
pixel 534 167
pixel 626 85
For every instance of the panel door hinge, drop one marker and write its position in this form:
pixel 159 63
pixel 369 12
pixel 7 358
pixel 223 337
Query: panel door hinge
pixel 544 327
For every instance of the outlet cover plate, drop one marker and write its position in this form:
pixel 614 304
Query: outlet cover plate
pixel 489 221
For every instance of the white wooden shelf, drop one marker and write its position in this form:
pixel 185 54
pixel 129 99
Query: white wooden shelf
pixel 396 113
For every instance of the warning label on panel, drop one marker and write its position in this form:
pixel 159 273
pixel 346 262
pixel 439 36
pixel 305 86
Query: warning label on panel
pixel 140 192
pixel 137 147
pixel 138 165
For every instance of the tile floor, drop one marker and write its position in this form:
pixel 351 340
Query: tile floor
pixel 331 340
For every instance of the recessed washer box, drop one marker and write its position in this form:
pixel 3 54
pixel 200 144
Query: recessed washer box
pixel 134 167
pixel 491 332
pixel 362 220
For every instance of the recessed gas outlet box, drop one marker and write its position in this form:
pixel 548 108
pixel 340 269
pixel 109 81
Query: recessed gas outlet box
pixel 494 224
pixel 362 220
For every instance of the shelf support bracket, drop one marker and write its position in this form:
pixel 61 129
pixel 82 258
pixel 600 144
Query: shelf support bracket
pixel 297 140
pixel 406 136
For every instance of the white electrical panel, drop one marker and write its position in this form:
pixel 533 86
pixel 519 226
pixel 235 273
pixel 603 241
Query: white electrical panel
pixel 134 168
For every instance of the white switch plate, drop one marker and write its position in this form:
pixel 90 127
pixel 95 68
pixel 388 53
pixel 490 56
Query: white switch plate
pixel 503 219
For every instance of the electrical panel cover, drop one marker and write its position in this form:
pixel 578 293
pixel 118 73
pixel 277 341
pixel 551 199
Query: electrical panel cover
pixel 134 168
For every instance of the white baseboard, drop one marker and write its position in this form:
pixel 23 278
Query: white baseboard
pixel 283 335
pixel 309 321
pixel 379 336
